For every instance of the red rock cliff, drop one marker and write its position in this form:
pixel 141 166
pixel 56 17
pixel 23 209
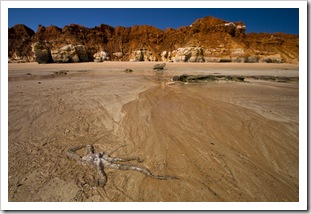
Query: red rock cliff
pixel 208 39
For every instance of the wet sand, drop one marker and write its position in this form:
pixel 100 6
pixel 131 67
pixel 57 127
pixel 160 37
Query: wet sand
pixel 224 141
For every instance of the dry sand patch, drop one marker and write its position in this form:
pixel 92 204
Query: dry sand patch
pixel 225 141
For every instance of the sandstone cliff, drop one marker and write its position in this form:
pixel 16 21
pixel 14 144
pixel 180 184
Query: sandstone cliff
pixel 206 40
pixel 19 41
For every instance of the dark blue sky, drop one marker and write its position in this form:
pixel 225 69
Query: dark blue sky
pixel 256 19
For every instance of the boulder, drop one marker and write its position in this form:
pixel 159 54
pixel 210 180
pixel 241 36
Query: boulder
pixel 128 70
pixel 101 56
pixel 41 53
pixel 159 66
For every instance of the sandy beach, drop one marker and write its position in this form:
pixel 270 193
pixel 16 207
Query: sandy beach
pixel 223 141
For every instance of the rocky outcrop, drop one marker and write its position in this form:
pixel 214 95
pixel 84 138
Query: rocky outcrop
pixel 276 58
pixel 207 39
pixel 142 54
pixel 166 56
pixel 188 54
pixel 70 53
pixel 19 41
pixel 82 53
pixel 280 46
pixel 101 56
pixel 207 78
pixel 118 56
pixel 41 53
pixel 65 54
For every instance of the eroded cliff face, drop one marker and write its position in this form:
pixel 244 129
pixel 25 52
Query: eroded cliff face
pixel 19 41
pixel 206 40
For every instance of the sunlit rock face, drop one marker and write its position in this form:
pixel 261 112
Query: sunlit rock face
pixel 65 54
pixel 101 56
pixel 188 54
pixel 142 54
pixel 207 39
